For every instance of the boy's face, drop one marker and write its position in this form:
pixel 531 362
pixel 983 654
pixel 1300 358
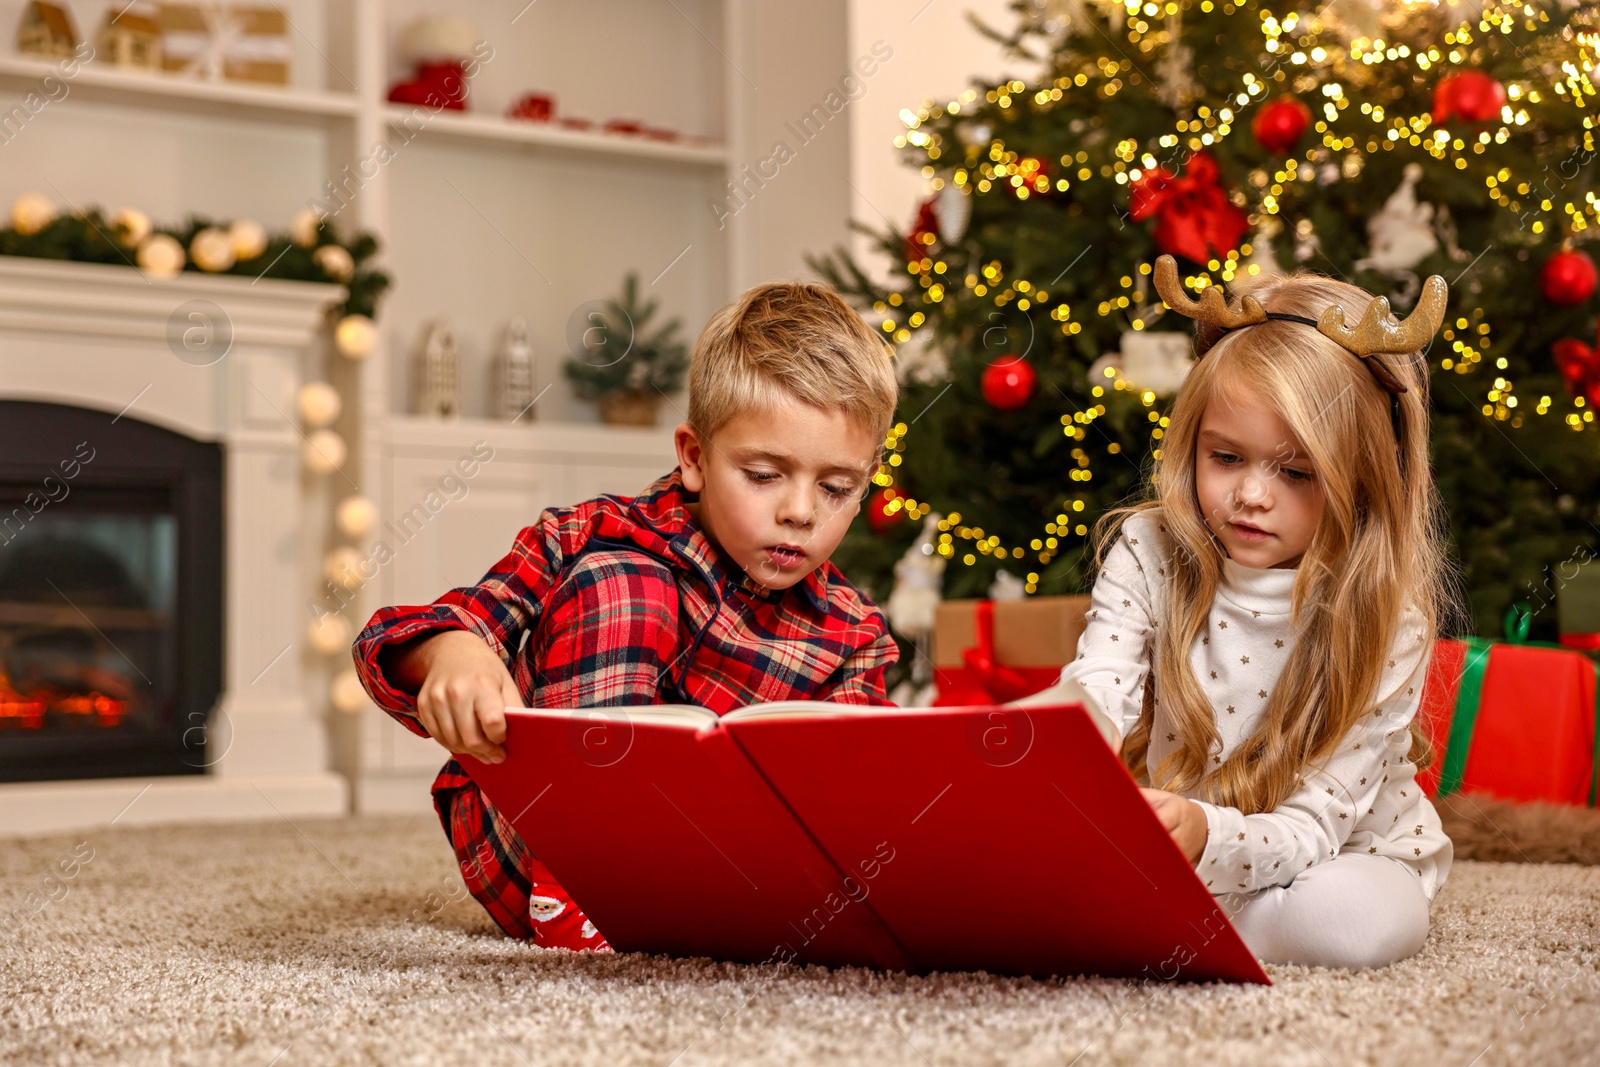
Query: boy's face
pixel 778 487
pixel 1258 490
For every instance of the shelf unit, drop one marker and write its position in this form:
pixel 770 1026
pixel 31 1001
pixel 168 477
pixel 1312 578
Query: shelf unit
pixel 480 217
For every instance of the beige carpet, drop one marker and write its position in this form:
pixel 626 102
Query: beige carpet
pixel 347 942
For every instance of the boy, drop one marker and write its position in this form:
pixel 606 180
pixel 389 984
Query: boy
pixel 712 587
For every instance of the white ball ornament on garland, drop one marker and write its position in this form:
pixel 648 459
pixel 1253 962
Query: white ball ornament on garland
pixel 212 250
pixel 335 262
pixel 319 404
pixel 330 634
pixel 356 336
pixel 346 692
pixel 160 255
pixel 303 228
pixel 342 567
pixel 356 516
pixel 249 238
pixel 324 452
pixel 31 213
pixel 132 225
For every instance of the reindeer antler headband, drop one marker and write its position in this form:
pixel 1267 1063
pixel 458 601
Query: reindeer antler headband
pixel 1372 336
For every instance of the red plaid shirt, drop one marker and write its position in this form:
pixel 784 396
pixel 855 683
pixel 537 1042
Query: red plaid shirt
pixel 623 601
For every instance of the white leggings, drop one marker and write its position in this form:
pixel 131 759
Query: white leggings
pixel 1352 911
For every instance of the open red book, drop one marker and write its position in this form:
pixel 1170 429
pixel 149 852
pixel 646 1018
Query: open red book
pixel 1010 840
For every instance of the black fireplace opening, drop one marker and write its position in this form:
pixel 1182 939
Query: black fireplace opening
pixel 111 609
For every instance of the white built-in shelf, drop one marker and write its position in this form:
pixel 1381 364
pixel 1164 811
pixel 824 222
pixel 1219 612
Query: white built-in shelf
pixel 174 92
pixel 493 130
pixel 596 441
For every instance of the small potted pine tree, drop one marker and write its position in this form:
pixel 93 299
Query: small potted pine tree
pixel 622 364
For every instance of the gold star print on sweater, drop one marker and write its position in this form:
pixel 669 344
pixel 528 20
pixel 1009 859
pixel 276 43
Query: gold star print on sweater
pixel 1250 618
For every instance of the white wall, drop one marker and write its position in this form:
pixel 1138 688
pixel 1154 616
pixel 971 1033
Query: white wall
pixel 937 54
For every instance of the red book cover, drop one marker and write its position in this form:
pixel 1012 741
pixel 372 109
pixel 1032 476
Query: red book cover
pixel 1001 839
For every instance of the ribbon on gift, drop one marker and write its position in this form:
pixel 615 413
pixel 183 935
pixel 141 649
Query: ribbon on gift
pixel 1197 219
pixel 1516 622
pixel 984 680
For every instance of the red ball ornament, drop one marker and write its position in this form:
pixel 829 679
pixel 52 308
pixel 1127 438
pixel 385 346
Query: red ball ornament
pixel 1471 94
pixel 1009 382
pixel 1567 278
pixel 879 515
pixel 917 241
pixel 1278 126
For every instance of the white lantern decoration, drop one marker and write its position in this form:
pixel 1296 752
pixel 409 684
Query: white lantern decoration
pixel 160 255
pixel 356 336
pixel 31 213
pixel 132 225
pixel 356 516
pixel 347 693
pixel 324 452
pixel 319 404
pixel 335 262
pixel 342 567
pixel 303 228
pixel 249 238
pixel 330 634
pixel 212 250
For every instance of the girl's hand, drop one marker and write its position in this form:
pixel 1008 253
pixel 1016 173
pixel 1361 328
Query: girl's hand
pixel 1184 820
pixel 464 692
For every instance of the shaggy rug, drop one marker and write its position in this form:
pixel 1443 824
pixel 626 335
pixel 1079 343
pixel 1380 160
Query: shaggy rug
pixel 350 941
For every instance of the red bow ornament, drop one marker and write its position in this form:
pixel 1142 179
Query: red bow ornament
pixel 1196 218
pixel 1579 365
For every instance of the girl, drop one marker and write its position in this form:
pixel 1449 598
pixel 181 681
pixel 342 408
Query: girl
pixel 1261 625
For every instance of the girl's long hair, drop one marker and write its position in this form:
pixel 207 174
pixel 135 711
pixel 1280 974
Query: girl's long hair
pixel 1378 548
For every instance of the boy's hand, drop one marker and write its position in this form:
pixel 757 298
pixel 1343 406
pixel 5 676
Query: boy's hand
pixel 1183 819
pixel 464 692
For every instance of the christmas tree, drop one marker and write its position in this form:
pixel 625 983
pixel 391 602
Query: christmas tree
pixel 1375 142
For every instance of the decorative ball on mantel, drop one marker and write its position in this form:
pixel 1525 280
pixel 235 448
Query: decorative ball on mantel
pixel 331 634
pixel 342 567
pixel 303 228
pixel 212 250
pixel 356 516
pixel 355 336
pixel 319 404
pixel 347 693
pixel 160 255
pixel 324 452
pixel 249 238
pixel 132 225
pixel 31 213
pixel 335 262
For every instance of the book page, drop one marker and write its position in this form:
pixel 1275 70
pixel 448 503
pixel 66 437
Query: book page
pixel 690 716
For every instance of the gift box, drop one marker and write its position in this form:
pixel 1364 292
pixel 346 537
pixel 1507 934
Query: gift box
pixel 1514 719
pixel 236 42
pixel 1578 606
pixel 987 651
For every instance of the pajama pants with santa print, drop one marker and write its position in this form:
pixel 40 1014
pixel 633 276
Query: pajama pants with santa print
pixel 496 866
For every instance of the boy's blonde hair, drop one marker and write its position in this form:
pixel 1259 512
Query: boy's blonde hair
pixel 1378 550
pixel 795 340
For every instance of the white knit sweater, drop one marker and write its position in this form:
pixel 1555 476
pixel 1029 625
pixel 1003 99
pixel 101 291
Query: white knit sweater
pixel 1364 800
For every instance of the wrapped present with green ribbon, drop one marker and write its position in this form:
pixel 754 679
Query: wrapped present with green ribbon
pixel 1516 719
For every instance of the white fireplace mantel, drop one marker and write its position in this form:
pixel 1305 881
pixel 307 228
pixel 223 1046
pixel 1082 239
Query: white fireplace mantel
pixel 109 338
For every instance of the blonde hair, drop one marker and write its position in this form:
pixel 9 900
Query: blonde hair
pixel 795 340
pixel 1378 549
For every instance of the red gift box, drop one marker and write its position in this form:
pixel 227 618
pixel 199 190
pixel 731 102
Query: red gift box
pixel 987 652
pixel 1514 720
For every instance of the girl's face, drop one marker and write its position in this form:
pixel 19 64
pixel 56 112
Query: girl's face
pixel 1258 491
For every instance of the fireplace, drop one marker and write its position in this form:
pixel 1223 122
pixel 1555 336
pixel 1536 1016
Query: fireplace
pixel 111 574
pixel 159 537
